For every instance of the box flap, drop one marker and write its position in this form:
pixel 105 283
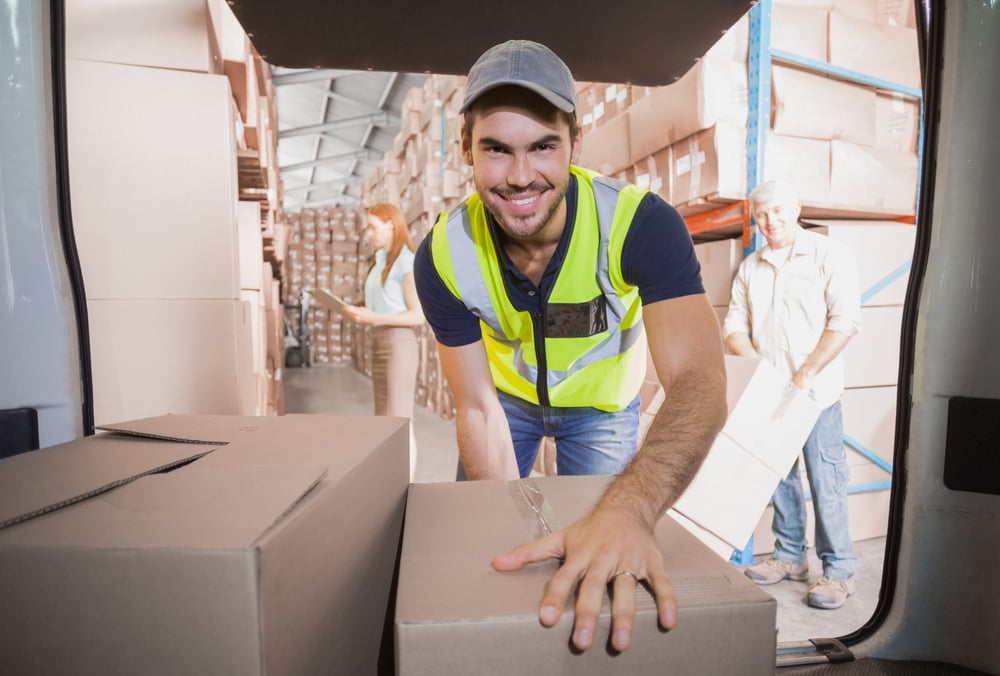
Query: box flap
pixel 51 478
pixel 195 429
pixel 223 509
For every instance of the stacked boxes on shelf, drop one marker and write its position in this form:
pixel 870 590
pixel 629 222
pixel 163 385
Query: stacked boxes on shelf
pixel 324 251
pixel 173 261
pixel 849 149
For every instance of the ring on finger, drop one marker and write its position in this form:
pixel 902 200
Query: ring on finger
pixel 625 572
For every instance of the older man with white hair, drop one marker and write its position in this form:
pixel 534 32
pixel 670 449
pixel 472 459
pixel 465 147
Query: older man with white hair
pixel 796 304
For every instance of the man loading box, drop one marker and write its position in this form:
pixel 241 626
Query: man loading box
pixel 541 289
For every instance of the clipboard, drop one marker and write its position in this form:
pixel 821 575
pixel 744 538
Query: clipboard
pixel 329 300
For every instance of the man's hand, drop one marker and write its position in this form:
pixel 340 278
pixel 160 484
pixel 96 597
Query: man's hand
pixel 599 549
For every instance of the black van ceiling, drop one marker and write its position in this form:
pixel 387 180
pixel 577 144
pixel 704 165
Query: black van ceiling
pixel 645 42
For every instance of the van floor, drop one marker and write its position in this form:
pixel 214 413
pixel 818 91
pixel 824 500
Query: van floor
pixel 343 390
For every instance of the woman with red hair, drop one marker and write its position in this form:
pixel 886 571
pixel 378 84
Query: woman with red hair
pixel 393 309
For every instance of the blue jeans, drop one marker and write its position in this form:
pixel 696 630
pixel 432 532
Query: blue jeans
pixel 828 474
pixel 588 441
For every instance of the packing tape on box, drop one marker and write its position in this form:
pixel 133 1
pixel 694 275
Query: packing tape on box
pixel 536 512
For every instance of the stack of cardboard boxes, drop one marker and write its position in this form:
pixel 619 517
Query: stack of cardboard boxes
pixel 849 149
pixel 178 241
pixel 325 251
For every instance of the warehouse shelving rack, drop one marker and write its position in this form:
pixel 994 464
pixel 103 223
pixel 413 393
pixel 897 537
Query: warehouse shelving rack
pixel 721 221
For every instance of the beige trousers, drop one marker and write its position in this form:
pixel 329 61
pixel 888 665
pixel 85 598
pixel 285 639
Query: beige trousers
pixel 395 358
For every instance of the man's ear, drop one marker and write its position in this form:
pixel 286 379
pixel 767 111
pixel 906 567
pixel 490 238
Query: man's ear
pixel 466 147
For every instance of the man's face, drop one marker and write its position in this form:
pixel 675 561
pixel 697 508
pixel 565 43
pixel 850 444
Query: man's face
pixel 520 150
pixel 778 219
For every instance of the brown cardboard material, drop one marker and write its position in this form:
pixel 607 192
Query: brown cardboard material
pixel 175 356
pixel 237 563
pixel 883 250
pixel 179 34
pixel 710 165
pixel 714 90
pixel 769 421
pixel 799 30
pixel 136 188
pixel 883 51
pixel 897 122
pixel 811 105
pixel 455 614
pixel 873 179
pixel 871 359
pixel 802 162
pixel 719 261
pixel 606 148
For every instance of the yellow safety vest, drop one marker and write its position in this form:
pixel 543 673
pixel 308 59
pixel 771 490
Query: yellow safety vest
pixel 588 347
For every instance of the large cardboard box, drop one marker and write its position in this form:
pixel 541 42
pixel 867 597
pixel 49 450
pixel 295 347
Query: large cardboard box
pixel 813 105
pixel 154 195
pixel 884 252
pixel 799 30
pixel 802 162
pixel 871 359
pixel 710 166
pixel 455 614
pixel 873 180
pixel 897 122
pixel 714 90
pixel 882 51
pixel 606 148
pixel 769 420
pixel 171 356
pixel 203 545
pixel 719 261
pixel 175 34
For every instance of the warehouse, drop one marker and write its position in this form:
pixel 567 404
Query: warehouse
pixel 219 235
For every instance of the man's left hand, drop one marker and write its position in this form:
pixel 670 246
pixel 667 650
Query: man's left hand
pixel 607 546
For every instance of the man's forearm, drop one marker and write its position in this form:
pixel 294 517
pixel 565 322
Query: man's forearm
pixel 678 440
pixel 831 344
pixel 485 445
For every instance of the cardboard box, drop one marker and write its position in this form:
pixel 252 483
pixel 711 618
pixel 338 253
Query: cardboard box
pixel 179 34
pixel 769 421
pixel 719 261
pixel 897 122
pixel 871 359
pixel 606 148
pixel 873 180
pixel 884 252
pixel 799 30
pixel 710 165
pixel 453 610
pixel 802 162
pixel 175 356
pixel 154 195
pixel 714 90
pixel 203 545
pixel 812 105
pixel 882 51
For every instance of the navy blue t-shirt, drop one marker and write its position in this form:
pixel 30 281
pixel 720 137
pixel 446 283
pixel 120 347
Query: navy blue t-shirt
pixel 657 257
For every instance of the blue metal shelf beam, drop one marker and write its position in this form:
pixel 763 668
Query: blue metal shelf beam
pixel 844 73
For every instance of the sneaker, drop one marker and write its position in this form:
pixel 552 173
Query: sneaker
pixel 830 594
pixel 772 570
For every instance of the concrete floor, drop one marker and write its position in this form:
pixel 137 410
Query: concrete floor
pixel 341 389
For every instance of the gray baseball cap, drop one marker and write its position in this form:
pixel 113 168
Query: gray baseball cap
pixel 523 63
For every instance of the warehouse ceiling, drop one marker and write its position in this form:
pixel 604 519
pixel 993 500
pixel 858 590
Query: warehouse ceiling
pixel 342 70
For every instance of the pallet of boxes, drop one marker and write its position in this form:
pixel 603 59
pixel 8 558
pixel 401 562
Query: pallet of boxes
pixel 326 253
